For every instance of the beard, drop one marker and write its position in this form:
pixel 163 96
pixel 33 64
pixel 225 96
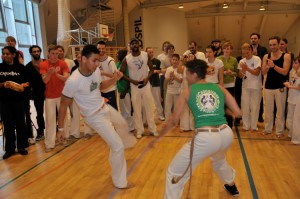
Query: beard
pixel 36 57
pixel 135 49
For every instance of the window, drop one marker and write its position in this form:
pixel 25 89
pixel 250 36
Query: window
pixel 2 27
pixel 7 3
pixel 19 7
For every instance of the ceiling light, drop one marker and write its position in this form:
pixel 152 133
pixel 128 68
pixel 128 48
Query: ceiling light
pixel 180 6
pixel 262 8
pixel 225 5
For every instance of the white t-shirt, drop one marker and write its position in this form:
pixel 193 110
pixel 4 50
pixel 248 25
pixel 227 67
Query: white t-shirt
pixel 164 60
pixel 85 90
pixel 138 66
pixel 252 81
pixel 162 56
pixel 173 87
pixel 108 65
pixel 198 55
pixel 294 81
pixel 212 74
pixel 70 63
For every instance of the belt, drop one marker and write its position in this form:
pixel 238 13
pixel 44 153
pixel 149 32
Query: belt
pixel 213 129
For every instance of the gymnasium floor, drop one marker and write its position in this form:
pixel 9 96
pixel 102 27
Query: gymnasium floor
pixel 267 168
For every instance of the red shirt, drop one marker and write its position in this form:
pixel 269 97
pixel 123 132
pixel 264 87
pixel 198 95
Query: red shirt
pixel 54 86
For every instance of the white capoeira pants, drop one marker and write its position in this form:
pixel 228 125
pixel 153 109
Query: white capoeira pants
pixel 270 96
pixel 170 101
pixel 157 101
pixel 186 119
pixel 75 122
pixel 112 128
pixel 250 107
pixel 206 144
pixel 125 108
pixel 51 105
pixel 296 123
pixel 142 97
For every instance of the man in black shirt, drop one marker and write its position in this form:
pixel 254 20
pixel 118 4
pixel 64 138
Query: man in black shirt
pixel 37 88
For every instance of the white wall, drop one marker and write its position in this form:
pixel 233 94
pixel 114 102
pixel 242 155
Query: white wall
pixel 293 37
pixel 157 26
pixel 163 24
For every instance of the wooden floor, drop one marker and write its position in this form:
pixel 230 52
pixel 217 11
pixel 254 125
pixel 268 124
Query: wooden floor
pixel 267 168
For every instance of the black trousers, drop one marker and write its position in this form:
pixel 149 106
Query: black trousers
pixel 39 101
pixel 112 100
pixel 13 117
pixel 27 118
pixel 229 118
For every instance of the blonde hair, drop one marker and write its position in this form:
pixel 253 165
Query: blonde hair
pixel 227 44
pixel 10 38
pixel 247 46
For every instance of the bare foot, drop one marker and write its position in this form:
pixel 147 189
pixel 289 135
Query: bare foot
pixel 266 133
pixel 279 136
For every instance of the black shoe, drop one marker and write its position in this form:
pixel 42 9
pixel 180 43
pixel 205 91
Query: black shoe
pixel 7 154
pixel 260 119
pixel 23 151
pixel 232 190
pixel 39 137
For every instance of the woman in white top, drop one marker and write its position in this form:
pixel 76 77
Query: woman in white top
pixel 215 70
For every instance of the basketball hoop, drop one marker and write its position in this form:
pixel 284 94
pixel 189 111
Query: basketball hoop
pixel 109 37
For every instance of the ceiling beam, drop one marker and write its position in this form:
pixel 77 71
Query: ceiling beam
pixel 195 15
pixel 262 25
pixel 150 4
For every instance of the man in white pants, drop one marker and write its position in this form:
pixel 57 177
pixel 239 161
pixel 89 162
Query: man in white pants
pixel 84 87
pixel 155 84
pixel 140 69
pixel 54 73
pixel 276 66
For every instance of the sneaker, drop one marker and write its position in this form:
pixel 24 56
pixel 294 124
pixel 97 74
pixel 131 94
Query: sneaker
pixel 161 118
pixel 39 137
pixel 7 154
pixel 23 151
pixel 154 134
pixel 31 141
pixel 47 150
pixel 232 190
pixel 87 136
pixel 72 138
pixel 138 136
pixel 66 142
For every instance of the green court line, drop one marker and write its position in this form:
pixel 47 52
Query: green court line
pixel 246 163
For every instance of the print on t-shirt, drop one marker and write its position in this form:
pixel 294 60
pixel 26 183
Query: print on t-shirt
pixel 93 86
pixel 208 101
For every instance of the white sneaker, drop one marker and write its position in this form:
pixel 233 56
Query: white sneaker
pixel 31 141
pixel 155 134
pixel 161 118
pixel 138 136
pixel 47 150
